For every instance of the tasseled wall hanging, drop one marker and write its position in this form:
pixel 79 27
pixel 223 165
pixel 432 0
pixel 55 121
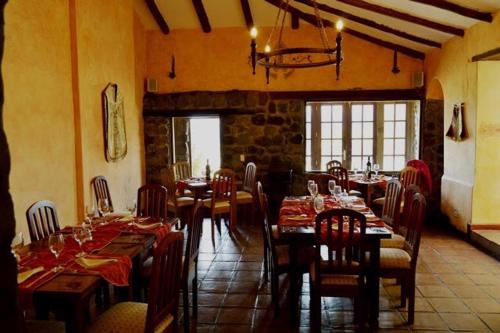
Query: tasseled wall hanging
pixel 456 131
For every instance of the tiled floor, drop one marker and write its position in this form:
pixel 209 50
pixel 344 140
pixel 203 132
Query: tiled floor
pixel 458 289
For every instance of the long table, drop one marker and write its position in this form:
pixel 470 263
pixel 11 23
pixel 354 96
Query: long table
pixel 298 233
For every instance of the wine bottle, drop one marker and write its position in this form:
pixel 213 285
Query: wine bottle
pixel 368 168
pixel 207 171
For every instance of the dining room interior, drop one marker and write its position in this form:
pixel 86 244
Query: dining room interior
pixel 250 166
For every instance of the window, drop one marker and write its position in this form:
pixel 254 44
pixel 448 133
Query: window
pixel 352 132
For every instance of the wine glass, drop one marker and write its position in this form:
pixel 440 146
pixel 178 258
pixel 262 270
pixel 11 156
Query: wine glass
pixel 56 246
pixel 16 245
pixel 331 186
pixel 309 186
pixel 314 189
pixel 103 207
pixel 318 204
pixel 355 171
pixel 131 207
pixel 80 235
pixel 337 190
pixel 376 168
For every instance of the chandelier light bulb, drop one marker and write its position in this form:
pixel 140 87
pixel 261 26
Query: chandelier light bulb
pixel 253 32
pixel 339 25
pixel 267 48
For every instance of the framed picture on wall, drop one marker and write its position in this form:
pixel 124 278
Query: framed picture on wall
pixel 115 137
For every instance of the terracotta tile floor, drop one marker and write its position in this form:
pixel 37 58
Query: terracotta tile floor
pixel 458 289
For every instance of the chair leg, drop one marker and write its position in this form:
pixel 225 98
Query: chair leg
pixel 411 298
pixel 194 286
pixel 185 305
pixel 275 293
pixel 315 310
pixel 404 291
pixel 266 263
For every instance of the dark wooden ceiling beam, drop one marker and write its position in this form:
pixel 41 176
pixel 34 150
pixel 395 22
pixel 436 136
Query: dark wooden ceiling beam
pixel 295 21
pixel 202 15
pixel 371 24
pixel 457 9
pixel 245 6
pixel 404 16
pixel 309 18
pixel 160 20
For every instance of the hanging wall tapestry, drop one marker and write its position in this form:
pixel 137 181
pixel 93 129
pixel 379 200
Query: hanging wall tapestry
pixel 456 131
pixel 115 138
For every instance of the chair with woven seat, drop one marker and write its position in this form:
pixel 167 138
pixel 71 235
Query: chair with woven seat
pixel 401 264
pixel 343 179
pixel 182 170
pixel 245 197
pixel 160 313
pixel 42 220
pixel 152 201
pixel 101 190
pixel 223 200
pixel 180 206
pixel 408 176
pixel 333 163
pixel 278 255
pixel 391 213
pixel 343 272
pixel 322 180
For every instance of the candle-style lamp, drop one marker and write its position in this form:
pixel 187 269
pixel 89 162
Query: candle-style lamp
pixel 253 47
pixel 339 26
pixel 267 49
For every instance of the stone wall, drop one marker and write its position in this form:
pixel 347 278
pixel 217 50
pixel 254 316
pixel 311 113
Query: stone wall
pixel 157 146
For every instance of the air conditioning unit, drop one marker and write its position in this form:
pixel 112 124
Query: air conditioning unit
pixel 151 85
pixel 417 79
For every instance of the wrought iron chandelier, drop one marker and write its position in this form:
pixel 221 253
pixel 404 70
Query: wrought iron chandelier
pixel 277 55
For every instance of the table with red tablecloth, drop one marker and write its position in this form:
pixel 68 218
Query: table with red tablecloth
pixel 367 186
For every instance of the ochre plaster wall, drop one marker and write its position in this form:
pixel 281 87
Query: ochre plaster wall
pixel 48 99
pixel 219 61
pixel 452 67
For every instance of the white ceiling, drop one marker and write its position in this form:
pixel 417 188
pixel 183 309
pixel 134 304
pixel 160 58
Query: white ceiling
pixel 180 14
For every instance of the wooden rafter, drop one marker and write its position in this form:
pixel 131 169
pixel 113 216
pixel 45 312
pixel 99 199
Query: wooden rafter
pixel 404 16
pixel 371 23
pixel 457 9
pixel 309 18
pixel 295 21
pixel 202 15
pixel 245 6
pixel 160 20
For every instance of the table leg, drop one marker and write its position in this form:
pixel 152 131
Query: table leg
pixel 293 295
pixel 373 282
pixel 369 191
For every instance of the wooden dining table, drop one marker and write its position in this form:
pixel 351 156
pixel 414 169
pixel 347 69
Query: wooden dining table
pixel 367 186
pixel 300 232
pixel 67 293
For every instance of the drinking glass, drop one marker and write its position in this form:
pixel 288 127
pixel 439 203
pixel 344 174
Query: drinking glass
pixel 80 235
pixel 131 207
pixel 331 186
pixel 314 189
pixel 337 190
pixel 309 186
pixel 376 168
pixel 16 245
pixel 103 207
pixel 355 171
pixel 56 246
pixel 319 204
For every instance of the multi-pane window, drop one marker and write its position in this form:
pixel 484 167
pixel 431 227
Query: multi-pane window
pixel 395 115
pixel 386 132
pixel 362 134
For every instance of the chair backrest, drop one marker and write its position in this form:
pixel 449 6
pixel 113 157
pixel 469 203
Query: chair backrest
pixel 101 190
pixel 333 163
pixel 266 225
pixel 167 179
pixel 42 219
pixel 343 240
pixel 425 173
pixel 407 195
pixel 165 280
pixel 342 175
pixel 414 224
pixel 182 170
pixel 392 204
pixel 409 176
pixel 223 186
pixel 194 236
pixel 152 201
pixel 249 181
pixel 322 180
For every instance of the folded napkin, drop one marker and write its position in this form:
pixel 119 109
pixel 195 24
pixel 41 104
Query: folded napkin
pixel 298 218
pixel 23 276
pixel 91 263
pixel 128 218
pixel 149 226
pixel 117 214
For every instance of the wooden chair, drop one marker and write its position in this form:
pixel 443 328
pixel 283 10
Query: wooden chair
pixel 42 220
pixel 343 179
pixel 333 163
pixel 101 190
pixel 223 200
pixel 340 275
pixel 160 313
pixel 408 176
pixel 391 213
pixel 322 180
pixel 245 197
pixel 278 255
pixel 182 170
pixel 180 206
pixel 152 201
pixel 401 263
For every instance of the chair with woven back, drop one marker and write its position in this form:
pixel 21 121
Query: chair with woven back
pixel 101 190
pixel 245 197
pixel 333 163
pixel 152 201
pixel 160 314
pixel 278 254
pixel 223 200
pixel 401 263
pixel 342 273
pixel 322 180
pixel 180 206
pixel 182 170
pixel 42 220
